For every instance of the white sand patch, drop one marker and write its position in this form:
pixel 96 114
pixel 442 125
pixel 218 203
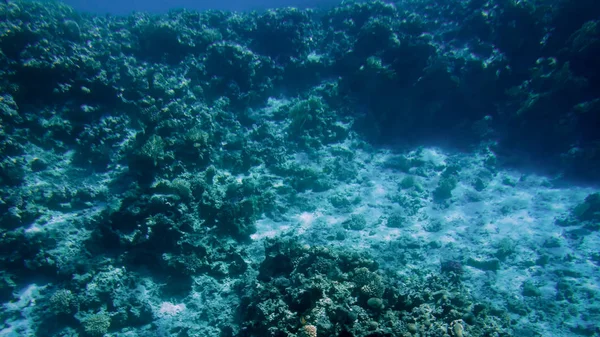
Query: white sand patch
pixel 379 191
pixel 306 220
pixel 170 309
pixel 434 156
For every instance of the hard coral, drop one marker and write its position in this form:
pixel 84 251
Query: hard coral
pixel 308 331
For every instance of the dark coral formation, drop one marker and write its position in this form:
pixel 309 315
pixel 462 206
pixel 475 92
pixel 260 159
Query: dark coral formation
pixel 344 294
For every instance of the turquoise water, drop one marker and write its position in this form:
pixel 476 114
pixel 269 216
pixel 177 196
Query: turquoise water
pixel 371 169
